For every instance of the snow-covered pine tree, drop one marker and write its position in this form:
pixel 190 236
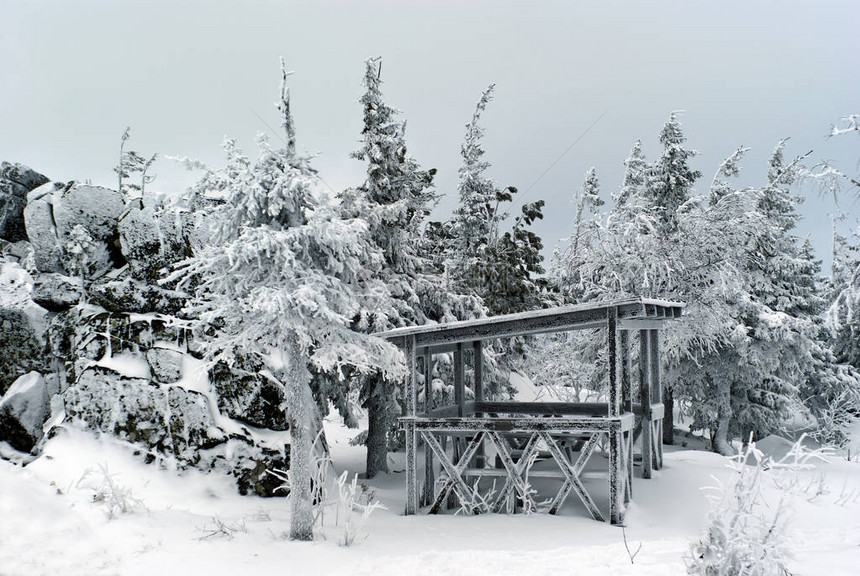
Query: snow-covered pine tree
pixel 669 180
pixel 668 185
pixel 635 169
pixel 502 269
pixel 394 200
pixel 281 281
pixel 476 219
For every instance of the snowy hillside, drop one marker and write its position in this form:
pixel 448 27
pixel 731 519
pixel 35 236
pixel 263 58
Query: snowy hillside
pixel 53 523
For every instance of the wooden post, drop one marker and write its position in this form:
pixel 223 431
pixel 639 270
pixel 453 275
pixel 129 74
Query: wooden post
pixel 478 367
pixel 459 380
pixel 613 357
pixel 645 397
pixel 616 489
pixel 411 441
pixel 626 393
pixel 429 473
pixel 657 394
pixel 428 378
pixel 478 352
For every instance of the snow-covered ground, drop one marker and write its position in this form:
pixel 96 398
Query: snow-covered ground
pixel 197 524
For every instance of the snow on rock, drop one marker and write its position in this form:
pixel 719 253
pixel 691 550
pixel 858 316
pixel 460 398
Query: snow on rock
pixel 129 295
pixel 57 292
pixel 150 241
pixel 245 395
pixel 166 364
pixel 16 180
pixel 178 424
pixel 41 230
pixel 95 208
pixel 22 175
pixel 24 409
pixel 13 199
pixel 168 420
pixel 20 349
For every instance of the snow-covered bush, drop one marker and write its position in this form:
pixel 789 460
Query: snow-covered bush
pixel 355 505
pixel 116 498
pixel 746 533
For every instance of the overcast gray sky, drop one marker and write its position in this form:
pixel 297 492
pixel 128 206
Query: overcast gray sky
pixel 183 74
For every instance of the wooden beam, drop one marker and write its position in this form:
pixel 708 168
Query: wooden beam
pixel 544 408
pixel 626 393
pixel 468 409
pixel 468 425
pixel 612 356
pixel 428 380
pixel 645 401
pixel 411 440
pixel 459 380
pixel 559 319
pixel 478 360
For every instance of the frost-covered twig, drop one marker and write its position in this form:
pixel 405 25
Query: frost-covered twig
pixel 116 498
pixel 221 529
pixel 745 534
pixel 355 512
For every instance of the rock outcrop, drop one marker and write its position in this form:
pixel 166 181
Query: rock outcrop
pixel 16 181
pixel 24 409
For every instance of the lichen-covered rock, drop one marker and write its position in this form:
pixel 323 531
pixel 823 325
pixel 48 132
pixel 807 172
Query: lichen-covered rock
pixel 167 419
pixel 95 208
pixel 249 464
pixel 57 292
pixel 129 295
pixel 166 364
pixel 20 351
pixel 41 230
pixel 12 203
pixel 24 409
pixel 21 174
pixel 247 396
pixel 151 241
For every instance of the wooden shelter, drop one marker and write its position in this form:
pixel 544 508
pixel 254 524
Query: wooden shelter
pixel 457 437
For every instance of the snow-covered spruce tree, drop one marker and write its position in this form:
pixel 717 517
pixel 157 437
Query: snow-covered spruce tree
pixel 281 280
pixel 632 253
pixel 668 185
pixel 502 269
pixel 843 315
pixel 635 168
pixel 567 263
pixel 394 200
pixel 475 224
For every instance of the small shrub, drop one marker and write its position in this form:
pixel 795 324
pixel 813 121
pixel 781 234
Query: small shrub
pixel 116 498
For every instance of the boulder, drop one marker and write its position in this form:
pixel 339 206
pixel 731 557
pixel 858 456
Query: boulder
pixel 249 463
pixel 129 295
pixel 57 292
pixel 249 397
pixel 151 241
pixel 22 175
pixel 20 351
pixel 40 227
pixel 13 200
pixel 165 364
pixel 95 208
pixel 24 409
pixel 166 419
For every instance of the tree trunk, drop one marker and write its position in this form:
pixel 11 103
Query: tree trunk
pixel 300 406
pixel 668 416
pixel 720 441
pixel 377 432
